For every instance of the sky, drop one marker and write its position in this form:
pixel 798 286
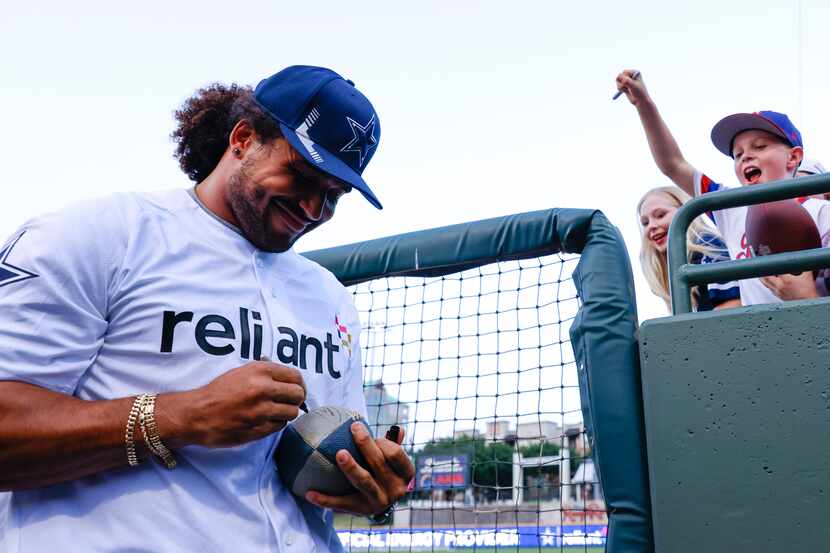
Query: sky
pixel 487 108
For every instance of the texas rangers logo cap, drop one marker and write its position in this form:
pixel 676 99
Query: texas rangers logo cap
pixel 326 119
pixel 725 130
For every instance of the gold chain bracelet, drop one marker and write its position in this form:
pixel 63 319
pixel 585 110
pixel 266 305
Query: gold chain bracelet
pixel 147 420
pixel 129 433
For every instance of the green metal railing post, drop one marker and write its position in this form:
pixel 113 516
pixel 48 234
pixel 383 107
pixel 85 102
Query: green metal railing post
pixel 682 275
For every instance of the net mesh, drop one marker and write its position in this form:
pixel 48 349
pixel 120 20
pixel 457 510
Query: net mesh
pixel 477 368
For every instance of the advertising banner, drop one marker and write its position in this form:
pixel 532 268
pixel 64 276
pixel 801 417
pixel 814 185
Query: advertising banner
pixel 437 472
pixel 407 539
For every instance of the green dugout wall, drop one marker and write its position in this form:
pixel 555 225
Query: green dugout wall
pixel 737 404
pixel 737 410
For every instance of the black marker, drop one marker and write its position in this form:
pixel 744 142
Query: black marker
pixel 393 433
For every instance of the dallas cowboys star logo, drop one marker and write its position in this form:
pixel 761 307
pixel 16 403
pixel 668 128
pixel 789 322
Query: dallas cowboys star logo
pixel 364 138
pixel 10 274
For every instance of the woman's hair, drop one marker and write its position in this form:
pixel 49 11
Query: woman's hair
pixel 205 121
pixel 698 240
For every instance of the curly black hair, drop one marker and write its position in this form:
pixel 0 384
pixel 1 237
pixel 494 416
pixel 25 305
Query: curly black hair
pixel 205 121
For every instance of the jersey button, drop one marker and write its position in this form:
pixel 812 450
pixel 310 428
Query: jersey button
pixel 289 539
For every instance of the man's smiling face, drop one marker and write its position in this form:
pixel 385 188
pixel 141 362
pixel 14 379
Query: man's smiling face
pixel 762 157
pixel 276 196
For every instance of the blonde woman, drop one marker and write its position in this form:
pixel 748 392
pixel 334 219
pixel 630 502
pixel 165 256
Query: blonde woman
pixel 656 210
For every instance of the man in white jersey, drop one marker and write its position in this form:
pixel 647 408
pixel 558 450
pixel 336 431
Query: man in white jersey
pixel 765 147
pixel 138 411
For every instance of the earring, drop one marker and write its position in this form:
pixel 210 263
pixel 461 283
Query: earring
pixel 237 151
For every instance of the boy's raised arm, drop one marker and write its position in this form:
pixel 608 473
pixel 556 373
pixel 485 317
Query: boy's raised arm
pixel 664 148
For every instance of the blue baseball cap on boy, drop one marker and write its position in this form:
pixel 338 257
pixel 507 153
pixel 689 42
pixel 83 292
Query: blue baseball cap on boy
pixel 326 119
pixel 725 130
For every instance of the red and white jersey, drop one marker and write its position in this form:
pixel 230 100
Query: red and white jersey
pixel 732 223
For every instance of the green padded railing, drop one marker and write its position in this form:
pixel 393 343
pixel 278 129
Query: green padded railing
pixel 603 333
pixel 684 275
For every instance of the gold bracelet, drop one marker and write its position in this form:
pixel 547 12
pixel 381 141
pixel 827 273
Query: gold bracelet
pixel 147 420
pixel 129 433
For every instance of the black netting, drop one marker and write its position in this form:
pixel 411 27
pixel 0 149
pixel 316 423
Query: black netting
pixel 477 368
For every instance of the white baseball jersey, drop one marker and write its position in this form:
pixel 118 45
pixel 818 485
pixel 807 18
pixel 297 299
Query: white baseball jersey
pixel 732 222
pixel 153 293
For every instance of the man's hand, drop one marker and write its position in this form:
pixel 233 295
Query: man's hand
pixel 792 287
pixel 391 472
pixel 244 404
pixel 634 89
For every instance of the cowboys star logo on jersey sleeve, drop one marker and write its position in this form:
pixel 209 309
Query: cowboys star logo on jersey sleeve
pixel 9 274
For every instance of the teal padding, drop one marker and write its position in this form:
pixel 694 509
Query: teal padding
pixel 603 333
pixel 454 248
pixel 604 338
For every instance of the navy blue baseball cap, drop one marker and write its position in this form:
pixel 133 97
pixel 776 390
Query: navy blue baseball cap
pixel 725 130
pixel 326 119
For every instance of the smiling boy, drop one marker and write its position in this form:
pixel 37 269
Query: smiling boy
pixel 765 147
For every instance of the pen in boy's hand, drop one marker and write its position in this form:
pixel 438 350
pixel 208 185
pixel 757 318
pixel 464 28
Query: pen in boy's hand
pixel 634 76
